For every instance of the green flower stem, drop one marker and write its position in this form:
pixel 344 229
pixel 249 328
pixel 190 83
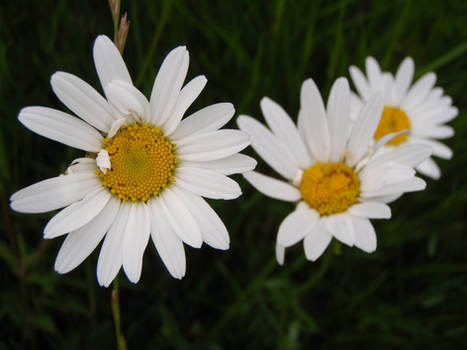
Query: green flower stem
pixel 116 315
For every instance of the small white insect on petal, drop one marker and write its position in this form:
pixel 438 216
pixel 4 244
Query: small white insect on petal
pixel 103 160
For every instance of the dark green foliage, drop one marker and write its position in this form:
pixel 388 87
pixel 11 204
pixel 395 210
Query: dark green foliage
pixel 411 293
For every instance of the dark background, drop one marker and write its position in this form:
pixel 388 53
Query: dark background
pixel 411 293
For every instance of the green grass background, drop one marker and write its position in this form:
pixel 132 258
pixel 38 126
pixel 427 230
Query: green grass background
pixel 411 293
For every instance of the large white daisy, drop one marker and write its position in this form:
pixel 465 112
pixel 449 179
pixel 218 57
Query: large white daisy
pixel 329 172
pixel 146 169
pixel 420 108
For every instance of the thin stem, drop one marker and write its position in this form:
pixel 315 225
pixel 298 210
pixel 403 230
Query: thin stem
pixel 115 11
pixel 115 303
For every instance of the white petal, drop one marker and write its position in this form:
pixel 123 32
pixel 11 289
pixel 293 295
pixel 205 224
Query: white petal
pixel 360 82
pixel 314 121
pixel 82 165
pixel 273 188
pixel 207 183
pixel 111 254
pixel 187 95
pixel 109 62
pixel 79 244
pixel 316 242
pixel 437 132
pixel 280 254
pixel 284 128
pixel 429 168
pixel 412 185
pixel 375 178
pixel 127 99
pixel 235 164
pixel 387 198
pixel 268 146
pixel 440 116
pixel 364 129
pixel 210 118
pixel 135 240
pixel 439 149
pixel 296 226
pixel 77 214
pixel 404 77
pixel 338 109
pixel 340 227
pixel 212 146
pixel 82 99
pixel 103 160
pixel 419 91
pixel 169 81
pixel 54 193
pixel 356 105
pixel 212 228
pixel 372 210
pixel 408 154
pixel 61 127
pixel 168 244
pixel 180 218
pixel 365 235
pixel 373 72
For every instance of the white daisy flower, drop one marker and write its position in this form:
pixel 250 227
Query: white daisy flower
pixel 332 175
pixel 420 108
pixel 145 172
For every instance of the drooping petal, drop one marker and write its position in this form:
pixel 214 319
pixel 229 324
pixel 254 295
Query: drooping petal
pixel 273 188
pixel 54 193
pixel 77 214
pixel 208 119
pixel 169 81
pixel 80 243
pixel 297 225
pixel 135 240
pixel 316 242
pixel 168 244
pixel 61 127
pixel 373 72
pixel 109 62
pixel 338 109
pixel 207 183
pixel 280 254
pixel 340 227
pixel 83 100
pixel 365 235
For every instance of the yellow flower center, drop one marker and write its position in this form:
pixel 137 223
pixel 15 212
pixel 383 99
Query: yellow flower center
pixel 142 162
pixel 330 188
pixel 393 119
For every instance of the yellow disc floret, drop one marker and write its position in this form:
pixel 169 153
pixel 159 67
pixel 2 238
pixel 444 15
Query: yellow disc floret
pixel 142 162
pixel 330 188
pixel 393 119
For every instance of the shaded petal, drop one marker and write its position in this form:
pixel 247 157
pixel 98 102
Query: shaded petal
pixel 365 235
pixel 372 210
pixel 212 228
pixel 210 118
pixel 54 193
pixel 235 164
pixel 408 154
pixel 404 77
pixel 83 100
pixel 316 242
pixel 314 121
pixel 77 214
pixel 439 149
pixel 207 183
pixel 269 147
pixel 61 127
pixel 212 146
pixel 360 82
pixel 127 99
pixel 187 95
pixel 297 225
pixel 411 185
pixel 168 244
pixel 80 243
pixel 340 227
pixel 111 254
pixel 283 127
pixel 183 223
pixel 419 91
pixel 272 187
pixel 169 81
pixel 109 62
pixel 135 240
pixel 280 254
pixel 338 109
pixel 429 168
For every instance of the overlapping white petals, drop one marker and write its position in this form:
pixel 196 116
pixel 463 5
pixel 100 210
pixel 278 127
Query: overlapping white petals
pixel 273 188
pixel 235 164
